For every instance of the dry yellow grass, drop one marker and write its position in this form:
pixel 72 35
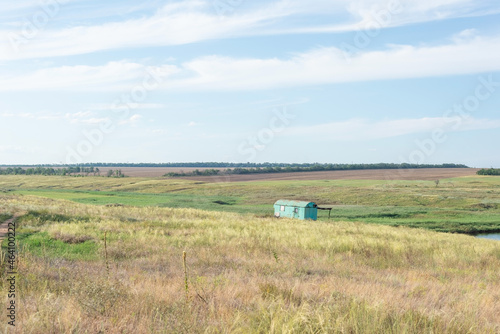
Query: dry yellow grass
pixel 248 275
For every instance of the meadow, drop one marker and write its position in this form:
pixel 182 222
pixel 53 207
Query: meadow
pixel 99 255
pixel 468 205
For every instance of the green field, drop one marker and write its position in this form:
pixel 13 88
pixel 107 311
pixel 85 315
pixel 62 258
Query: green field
pixel 464 205
pixel 99 255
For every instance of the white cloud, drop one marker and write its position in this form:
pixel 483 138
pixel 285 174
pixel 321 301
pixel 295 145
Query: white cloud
pixel 82 117
pixel 196 20
pixel 465 35
pixel 474 54
pixel 17 149
pixel 328 65
pixel 18 115
pixel 362 129
pixel 30 115
pixel 405 12
pixel 22 5
pixel 137 106
pixel 174 24
pixel 92 120
pixel 134 119
pixel 111 76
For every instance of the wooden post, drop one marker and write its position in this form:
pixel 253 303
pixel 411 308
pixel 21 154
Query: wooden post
pixel 186 284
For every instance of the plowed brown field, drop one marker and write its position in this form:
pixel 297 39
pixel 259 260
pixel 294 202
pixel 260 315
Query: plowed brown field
pixel 375 174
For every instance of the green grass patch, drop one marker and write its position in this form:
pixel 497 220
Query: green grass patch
pixel 43 245
pixel 136 199
pixel 468 221
pixel 40 218
pixel 4 217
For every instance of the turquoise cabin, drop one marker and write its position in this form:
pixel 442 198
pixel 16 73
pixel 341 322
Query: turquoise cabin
pixel 296 209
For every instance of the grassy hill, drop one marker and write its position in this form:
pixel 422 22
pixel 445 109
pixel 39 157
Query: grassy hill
pixel 244 273
pixel 465 205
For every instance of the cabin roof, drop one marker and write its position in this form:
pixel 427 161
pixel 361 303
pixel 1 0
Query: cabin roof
pixel 300 204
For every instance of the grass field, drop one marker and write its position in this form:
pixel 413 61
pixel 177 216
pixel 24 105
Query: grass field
pixel 465 205
pixel 244 274
pixel 103 255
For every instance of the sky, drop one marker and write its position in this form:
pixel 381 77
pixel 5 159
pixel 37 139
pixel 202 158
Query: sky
pixel 334 81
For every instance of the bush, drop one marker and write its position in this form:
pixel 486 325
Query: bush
pixel 490 171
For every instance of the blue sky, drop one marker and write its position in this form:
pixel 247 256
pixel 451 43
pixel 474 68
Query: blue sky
pixel 235 80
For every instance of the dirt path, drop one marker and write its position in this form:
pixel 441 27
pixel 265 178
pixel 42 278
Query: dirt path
pixel 4 228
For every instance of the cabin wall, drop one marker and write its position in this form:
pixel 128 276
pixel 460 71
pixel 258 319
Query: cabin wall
pixel 303 213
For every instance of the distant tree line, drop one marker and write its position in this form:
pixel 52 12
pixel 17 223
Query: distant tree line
pixel 65 171
pixel 168 164
pixel 288 168
pixel 491 171
pixel 220 165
